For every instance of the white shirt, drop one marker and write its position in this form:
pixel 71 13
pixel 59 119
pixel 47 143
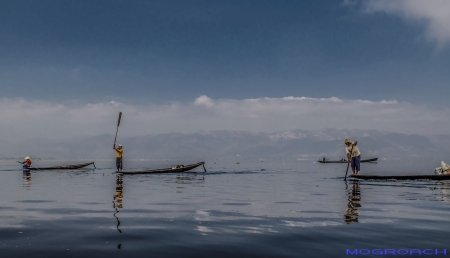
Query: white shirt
pixel 355 151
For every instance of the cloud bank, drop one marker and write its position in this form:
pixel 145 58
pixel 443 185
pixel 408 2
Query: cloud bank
pixel 21 118
pixel 434 14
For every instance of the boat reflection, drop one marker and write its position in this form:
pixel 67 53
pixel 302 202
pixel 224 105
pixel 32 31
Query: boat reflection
pixel 353 202
pixel 27 179
pixel 187 178
pixel 118 197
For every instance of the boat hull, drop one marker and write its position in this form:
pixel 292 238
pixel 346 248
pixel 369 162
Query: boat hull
pixel 338 161
pixel 75 166
pixel 165 170
pixel 405 177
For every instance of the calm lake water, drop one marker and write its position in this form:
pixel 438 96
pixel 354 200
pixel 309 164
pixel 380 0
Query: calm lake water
pixel 291 209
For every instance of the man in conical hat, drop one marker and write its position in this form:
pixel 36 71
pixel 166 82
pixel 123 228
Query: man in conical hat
pixel 27 163
pixel 353 155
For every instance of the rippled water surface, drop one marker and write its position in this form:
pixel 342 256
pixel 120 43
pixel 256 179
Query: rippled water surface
pixel 256 208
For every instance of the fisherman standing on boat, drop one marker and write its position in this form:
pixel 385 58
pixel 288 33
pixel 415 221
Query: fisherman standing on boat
pixel 119 152
pixel 27 163
pixel 353 155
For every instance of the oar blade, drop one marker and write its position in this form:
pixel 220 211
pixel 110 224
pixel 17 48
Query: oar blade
pixel 117 130
pixel 120 117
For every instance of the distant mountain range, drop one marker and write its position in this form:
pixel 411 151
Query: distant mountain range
pixel 295 144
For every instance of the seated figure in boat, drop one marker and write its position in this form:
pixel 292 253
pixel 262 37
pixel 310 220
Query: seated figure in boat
pixel 178 166
pixel 443 169
pixel 27 163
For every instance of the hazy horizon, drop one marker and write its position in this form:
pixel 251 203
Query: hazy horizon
pixel 298 144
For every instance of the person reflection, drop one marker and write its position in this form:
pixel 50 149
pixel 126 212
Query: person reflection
pixel 117 202
pixel 353 203
pixel 27 179
pixel 445 192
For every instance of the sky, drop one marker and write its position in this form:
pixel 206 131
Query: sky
pixel 184 66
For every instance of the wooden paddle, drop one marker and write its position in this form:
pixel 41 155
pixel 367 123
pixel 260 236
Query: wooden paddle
pixel 118 123
pixel 348 163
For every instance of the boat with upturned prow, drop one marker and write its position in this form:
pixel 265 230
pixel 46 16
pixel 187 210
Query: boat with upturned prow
pixel 403 177
pixel 345 161
pixel 65 167
pixel 174 169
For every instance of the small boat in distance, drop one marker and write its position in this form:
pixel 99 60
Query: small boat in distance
pixel 75 166
pixel 345 161
pixel 174 169
pixel 404 177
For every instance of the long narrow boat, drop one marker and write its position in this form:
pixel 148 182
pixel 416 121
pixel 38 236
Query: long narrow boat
pixel 175 169
pixel 75 166
pixel 405 177
pixel 344 161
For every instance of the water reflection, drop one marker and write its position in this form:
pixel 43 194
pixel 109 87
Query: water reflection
pixel 118 197
pixel 187 178
pixel 27 179
pixel 353 202
pixel 445 192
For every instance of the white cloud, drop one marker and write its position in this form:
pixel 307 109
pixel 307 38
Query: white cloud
pixel 435 14
pixel 203 100
pixel 29 119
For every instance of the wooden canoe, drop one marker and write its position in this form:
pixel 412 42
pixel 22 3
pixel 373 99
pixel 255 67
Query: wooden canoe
pixel 405 177
pixel 340 161
pixel 175 169
pixel 75 166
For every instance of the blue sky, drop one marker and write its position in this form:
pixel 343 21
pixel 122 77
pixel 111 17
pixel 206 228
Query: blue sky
pixel 159 51
pixel 68 67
